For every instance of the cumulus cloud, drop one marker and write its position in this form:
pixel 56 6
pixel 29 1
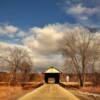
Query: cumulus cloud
pixel 4 46
pixel 11 31
pixel 80 11
pixel 46 61
pixel 45 44
pixel 46 38
pixel 5 29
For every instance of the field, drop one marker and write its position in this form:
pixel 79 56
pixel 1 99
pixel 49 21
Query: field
pixel 87 88
pixel 11 93
pixel 91 89
pixel 14 92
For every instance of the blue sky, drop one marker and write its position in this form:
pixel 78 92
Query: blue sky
pixel 31 22
pixel 29 13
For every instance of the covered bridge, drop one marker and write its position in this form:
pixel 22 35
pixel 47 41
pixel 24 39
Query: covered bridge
pixel 52 75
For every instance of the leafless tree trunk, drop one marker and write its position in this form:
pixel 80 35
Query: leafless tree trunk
pixel 25 69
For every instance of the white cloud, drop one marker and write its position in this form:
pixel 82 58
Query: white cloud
pixel 81 12
pixel 10 29
pixel 46 61
pixel 4 46
pixel 45 44
pixel 83 17
pixel 79 9
pixel 46 38
pixel 21 33
pixel 5 29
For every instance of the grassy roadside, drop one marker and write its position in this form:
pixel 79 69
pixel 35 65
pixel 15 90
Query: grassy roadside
pixel 85 93
pixel 14 92
pixel 87 88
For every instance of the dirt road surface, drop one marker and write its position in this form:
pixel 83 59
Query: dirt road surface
pixel 49 92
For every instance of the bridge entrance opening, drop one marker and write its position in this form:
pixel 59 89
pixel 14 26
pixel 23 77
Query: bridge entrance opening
pixel 52 77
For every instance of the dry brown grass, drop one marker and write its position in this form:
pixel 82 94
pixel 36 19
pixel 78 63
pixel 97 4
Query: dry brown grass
pixel 14 92
pixel 74 84
pixel 87 88
pixel 11 93
pixel 91 89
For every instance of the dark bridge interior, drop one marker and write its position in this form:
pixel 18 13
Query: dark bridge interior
pixel 56 77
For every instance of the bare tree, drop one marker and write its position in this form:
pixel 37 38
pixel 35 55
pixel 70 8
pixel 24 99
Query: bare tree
pixel 15 56
pixel 77 45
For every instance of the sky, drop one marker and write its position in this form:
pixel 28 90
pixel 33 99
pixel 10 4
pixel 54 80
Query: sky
pixel 38 24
